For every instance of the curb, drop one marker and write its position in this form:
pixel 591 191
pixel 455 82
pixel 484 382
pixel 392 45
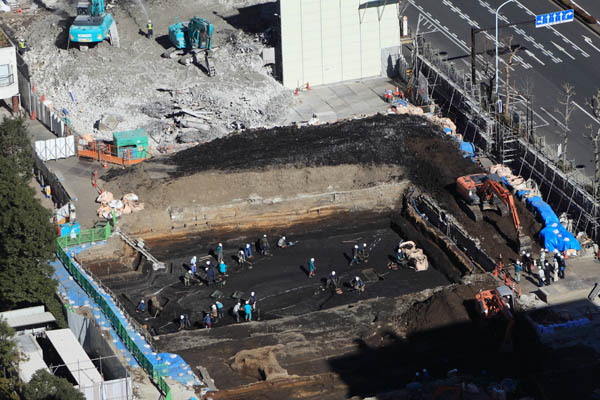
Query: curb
pixel 579 14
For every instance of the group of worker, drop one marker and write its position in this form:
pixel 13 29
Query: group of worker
pixel 391 94
pixel 210 269
pixel 247 307
pixel 548 271
pixel 360 254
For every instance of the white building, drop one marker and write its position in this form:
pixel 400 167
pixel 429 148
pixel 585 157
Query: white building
pixel 327 41
pixel 9 85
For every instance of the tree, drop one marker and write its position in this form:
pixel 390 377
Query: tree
pixel 569 106
pixel 9 357
pixel 15 145
pixel 26 244
pixel 512 52
pixel 45 386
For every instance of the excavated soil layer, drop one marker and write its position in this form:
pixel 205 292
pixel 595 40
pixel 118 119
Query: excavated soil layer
pixel 425 157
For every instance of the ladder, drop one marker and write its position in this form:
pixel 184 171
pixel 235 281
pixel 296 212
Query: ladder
pixel 139 246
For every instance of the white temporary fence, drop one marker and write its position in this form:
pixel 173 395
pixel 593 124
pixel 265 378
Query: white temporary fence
pixel 53 149
pixel 117 389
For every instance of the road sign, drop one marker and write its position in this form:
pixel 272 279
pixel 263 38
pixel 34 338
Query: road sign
pixel 554 18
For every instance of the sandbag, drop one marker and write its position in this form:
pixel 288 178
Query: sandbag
pixel 105 198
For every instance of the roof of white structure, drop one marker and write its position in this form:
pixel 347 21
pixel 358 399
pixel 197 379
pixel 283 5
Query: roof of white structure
pixel 74 357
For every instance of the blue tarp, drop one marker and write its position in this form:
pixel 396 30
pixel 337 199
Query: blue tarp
pixel 544 210
pixel 468 148
pixel 555 236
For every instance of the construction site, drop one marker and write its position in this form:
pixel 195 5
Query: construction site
pixel 383 244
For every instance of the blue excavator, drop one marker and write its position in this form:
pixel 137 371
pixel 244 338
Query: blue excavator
pixel 190 38
pixel 92 25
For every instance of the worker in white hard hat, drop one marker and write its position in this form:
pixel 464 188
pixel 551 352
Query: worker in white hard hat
pixel 141 306
pixel 357 284
pixel 311 268
pixel 282 243
pixel 264 245
pixel 543 255
pixel 355 255
pixel 248 250
pixel 150 30
pixel 252 300
pixel 332 281
pixel 363 253
pixel 219 253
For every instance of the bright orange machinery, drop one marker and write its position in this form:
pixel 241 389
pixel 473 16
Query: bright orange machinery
pixel 483 192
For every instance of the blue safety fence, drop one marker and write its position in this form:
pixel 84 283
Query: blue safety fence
pixel 158 365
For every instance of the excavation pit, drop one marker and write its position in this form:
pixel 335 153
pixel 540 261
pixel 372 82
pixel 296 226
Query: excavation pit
pixel 280 280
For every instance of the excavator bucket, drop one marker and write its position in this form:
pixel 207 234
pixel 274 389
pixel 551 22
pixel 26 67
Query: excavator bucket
pixel 524 243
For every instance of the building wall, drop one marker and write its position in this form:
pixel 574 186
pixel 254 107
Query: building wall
pixel 9 85
pixel 326 41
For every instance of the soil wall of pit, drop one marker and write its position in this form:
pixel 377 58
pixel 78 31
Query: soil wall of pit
pixel 277 197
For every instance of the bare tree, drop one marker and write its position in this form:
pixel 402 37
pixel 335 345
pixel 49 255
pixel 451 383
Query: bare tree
pixel 512 52
pixel 595 137
pixel 569 106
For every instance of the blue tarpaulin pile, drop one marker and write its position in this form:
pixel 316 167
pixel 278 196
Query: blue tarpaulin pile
pixel 554 235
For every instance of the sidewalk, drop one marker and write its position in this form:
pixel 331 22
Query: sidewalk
pixel 330 103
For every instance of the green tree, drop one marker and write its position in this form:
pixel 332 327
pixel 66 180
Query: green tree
pixel 45 386
pixel 15 145
pixel 26 244
pixel 9 357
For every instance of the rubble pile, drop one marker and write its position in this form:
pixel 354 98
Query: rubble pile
pixel 176 104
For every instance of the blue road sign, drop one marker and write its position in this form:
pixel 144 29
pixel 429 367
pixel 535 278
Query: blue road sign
pixel 554 18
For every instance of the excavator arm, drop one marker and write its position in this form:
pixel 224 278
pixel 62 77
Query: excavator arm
pixel 492 187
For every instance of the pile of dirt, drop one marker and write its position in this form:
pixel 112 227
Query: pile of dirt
pixel 444 308
pixel 379 140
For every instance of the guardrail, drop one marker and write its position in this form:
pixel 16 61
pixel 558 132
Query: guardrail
pixel 94 235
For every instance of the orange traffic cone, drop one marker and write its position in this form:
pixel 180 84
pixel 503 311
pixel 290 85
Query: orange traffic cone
pixel 496 271
pixel 519 292
pixel 507 280
pixel 32 115
pixel 307 86
pixel 43 98
pixel 296 92
pixel 500 265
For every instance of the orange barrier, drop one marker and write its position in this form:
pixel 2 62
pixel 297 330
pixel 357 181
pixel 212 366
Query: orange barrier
pixel 106 153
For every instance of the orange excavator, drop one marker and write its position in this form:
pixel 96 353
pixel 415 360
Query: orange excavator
pixel 483 192
pixel 496 303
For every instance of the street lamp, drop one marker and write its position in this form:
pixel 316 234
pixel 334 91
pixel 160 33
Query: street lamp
pixel 497 10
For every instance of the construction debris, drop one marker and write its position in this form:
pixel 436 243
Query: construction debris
pixel 134 87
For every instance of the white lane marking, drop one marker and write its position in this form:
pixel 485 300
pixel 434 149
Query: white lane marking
pixel 562 49
pixel 589 41
pixel 530 54
pixel 586 113
pixel 554 118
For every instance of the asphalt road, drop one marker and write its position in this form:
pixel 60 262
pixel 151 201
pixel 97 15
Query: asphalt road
pixel 551 56
pixel 592 7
